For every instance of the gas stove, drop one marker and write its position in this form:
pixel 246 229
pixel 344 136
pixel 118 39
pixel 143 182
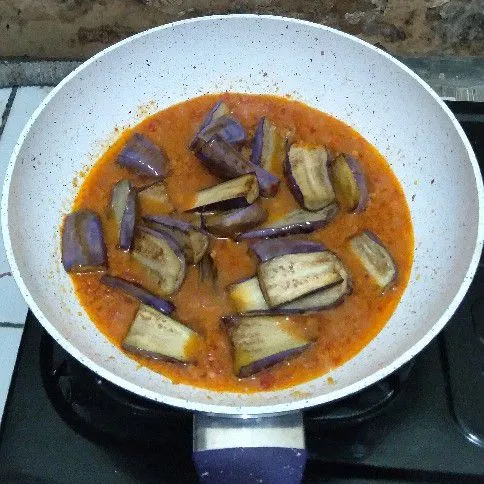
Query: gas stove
pixel 424 423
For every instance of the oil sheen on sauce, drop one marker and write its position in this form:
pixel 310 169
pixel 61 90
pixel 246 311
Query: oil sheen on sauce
pixel 339 333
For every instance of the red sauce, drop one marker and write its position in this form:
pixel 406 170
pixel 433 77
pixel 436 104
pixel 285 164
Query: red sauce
pixel 340 332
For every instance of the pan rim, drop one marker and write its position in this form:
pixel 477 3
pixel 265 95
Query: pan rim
pixel 269 408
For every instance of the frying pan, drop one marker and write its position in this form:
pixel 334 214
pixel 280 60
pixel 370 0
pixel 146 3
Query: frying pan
pixel 334 72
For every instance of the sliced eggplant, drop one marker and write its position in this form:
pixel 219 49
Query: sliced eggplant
pixel 246 296
pixel 139 293
pixel 291 276
pixel 224 161
pixel 375 258
pixel 308 178
pixel 156 193
pixel 262 341
pixel 233 222
pixel 123 207
pixel 269 248
pixel 157 336
pixel 349 183
pixel 297 222
pixel 162 256
pixel 239 192
pixel 144 157
pixel 323 299
pixel 192 240
pixel 265 145
pixel 226 127
pixel 207 270
pixel 83 248
pixel 218 110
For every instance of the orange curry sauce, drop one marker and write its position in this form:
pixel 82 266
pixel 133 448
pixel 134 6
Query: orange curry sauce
pixel 340 332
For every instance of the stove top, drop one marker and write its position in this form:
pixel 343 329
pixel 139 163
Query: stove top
pixel 423 423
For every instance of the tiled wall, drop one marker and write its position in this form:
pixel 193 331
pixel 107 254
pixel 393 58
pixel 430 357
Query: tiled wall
pixel 16 106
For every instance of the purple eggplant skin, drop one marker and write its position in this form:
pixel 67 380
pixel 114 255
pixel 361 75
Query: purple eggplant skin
pixel 375 258
pixel 162 256
pixel 297 222
pixel 235 193
pixel 267 249
pixel 224 161
pixel 349 183
pixel 140 293
pixel 226 127
pixel 221 158
pixel 307 175
pixel 262 341
pixel 271 360
pixel 83 248
pixel 218 110
pixel 123 206
pixel 258 143
pixel 193 241
pixel 171 222
pixel 143 157
pixel 233 222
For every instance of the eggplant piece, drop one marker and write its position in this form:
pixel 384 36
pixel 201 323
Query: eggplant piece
pixel 192 240
pixel 265 145
pixel 291 276
pixel 139 293
pixel 157 336
pixel 224 161
pixel 297 222
pixel 268 249
pixel 207 270
pixel 162 256
pixel 226 127
pixel 156 193
pixel 246 296
pixel 123 207
pixel 144 157
pixel 349 183
pixel 262 341
pixel 83 248
pixel 233 222
pixel 236 193
pixel 324 299
pixel 218 110
pixel 375 258
pixel 307 175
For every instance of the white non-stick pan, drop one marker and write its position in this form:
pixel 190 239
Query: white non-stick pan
pixel 334 72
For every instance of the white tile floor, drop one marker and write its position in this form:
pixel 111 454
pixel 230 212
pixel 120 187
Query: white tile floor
pixel 12 306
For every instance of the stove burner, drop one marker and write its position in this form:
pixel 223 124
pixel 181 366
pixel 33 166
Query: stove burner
pixel 86 401
pixel 100 410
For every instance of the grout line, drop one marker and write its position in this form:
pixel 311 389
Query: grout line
pixel 11 325
pixel 8 107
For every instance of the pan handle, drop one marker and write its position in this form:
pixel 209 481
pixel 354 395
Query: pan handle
pixel 245 449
